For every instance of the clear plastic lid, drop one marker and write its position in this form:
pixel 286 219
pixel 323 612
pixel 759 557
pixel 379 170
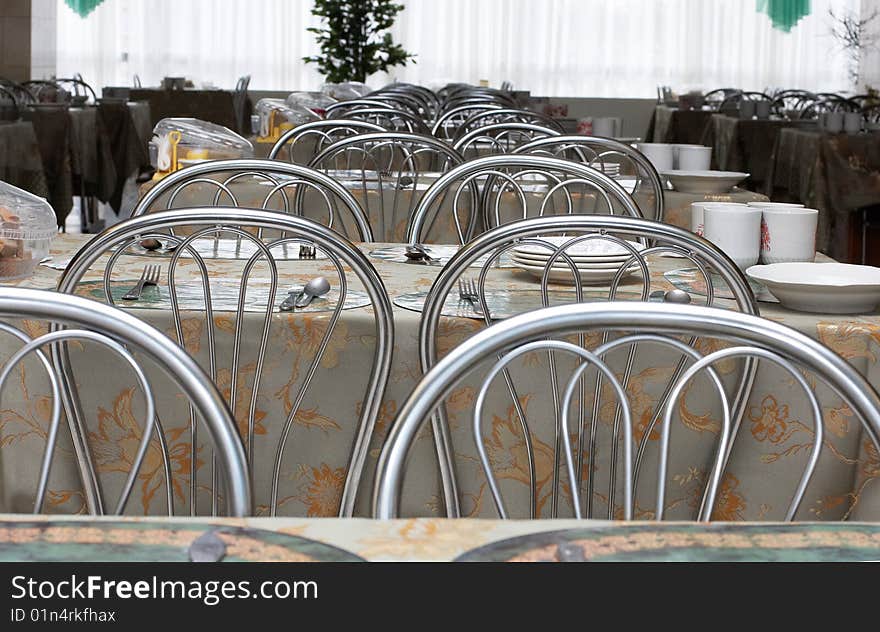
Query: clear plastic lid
pixel 315 101
pixel 346 90
pixel 277 114
pixel 194 140
pixel 25 216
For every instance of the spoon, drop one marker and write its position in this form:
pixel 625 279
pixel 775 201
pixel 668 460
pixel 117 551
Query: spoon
pixel 316 287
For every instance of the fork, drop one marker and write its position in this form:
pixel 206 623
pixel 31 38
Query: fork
pixel 150 276
pixel 467 291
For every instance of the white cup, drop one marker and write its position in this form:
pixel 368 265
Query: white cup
pixel 775 205
pixel 697 220
pixel 788 234
pixel 692 157
pixel 852 122
pixel 736 230
pixel 607 126
pixel 660 155
pixel 834 122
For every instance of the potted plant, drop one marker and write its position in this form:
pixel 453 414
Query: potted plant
pixel 354 39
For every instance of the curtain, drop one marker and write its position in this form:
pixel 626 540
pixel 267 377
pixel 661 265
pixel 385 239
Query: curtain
pixel 571 48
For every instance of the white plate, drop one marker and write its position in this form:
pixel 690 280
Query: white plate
pixel 601 248
pixel 564 276
pixel 704 181
pixel 560 264
pixel 829 288
pixel 542 259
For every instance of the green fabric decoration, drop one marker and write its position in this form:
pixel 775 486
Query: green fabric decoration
pixel 784 14
pixel 83 7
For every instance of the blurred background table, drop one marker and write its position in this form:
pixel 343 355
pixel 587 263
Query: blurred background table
pixel 673 125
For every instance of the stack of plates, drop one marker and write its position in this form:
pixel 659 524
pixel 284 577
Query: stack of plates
pixel 610 169
pixel 597 260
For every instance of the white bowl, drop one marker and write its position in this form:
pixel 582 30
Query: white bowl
pixel 704 181
pixel 825 288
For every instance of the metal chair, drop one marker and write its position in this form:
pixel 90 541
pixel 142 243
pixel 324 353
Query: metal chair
pixel 447 124
pixel 387 172
pixel 220 236
pixel 341 108
pixel 240 102
pixel 215 182
pixel 492 250
pixel 500 138
pixel 506 115
pixel 512 187
pixel 78 320
pixel 601 153
pixel 306 141
pixel 386 117
pixel 754 338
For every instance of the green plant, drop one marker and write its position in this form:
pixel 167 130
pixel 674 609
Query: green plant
pixel 354 39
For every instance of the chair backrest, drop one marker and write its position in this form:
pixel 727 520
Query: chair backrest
pixel 500 138
pixel 448 122
pixel 340 108
pixel 393 120
pixel 306 141
pixel 639 177
pixel 103 333
pixel 239 102
pixel 387 172
pixel 512 187
pixel 495 254
pixel 262 184
pixel 753 337
pixel 506 115
pixel 223 279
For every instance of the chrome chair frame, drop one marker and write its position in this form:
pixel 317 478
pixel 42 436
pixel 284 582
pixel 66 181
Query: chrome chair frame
pixel 323 130
pixel 293 230
pixel 460 114
pixel 504 138
pixel 367 145
pixel 120 332
pixel 271 170
pixel 607 146
pixel 492 167
pixel 491 245
pixel 767 340
pixel 507 115
pixel 393 120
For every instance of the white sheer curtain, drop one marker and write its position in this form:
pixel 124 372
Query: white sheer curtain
pixel 597 48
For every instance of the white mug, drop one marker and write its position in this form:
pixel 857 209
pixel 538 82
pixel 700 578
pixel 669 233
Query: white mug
pixel 788 234
pixel 852 122
pixel 697 220
pixel 693 157
pixel 775 205
pixel 660 155
pixel 607 126
pixel 736 230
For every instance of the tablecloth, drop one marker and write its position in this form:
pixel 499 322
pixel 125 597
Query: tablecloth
pixel 836 173
pixel 771 449
pixel 672 125
pixel 215 106
pixel 20 161
pixel 52 127
pixel 42 538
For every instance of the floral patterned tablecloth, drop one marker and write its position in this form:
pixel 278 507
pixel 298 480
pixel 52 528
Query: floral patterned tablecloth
pixel 52 538
pixel 774 442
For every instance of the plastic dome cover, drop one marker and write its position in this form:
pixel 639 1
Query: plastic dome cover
pixel 27 227
pixel 276 116
pixel 195 140
pixel 315 101
pixel 346 90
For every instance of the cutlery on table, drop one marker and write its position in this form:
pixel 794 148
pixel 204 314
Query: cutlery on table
pixel 417 252
pixel 150 276
pixel 316 287
pixel 306 251
pixel 467 291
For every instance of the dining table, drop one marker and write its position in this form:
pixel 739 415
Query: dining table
pixel 676 125
pixel 42 538
pixel 214 105
pixel 839 174
pixel 769 455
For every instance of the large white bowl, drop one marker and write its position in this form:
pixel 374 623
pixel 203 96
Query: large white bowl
pixel 704 181
pixel 825 288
